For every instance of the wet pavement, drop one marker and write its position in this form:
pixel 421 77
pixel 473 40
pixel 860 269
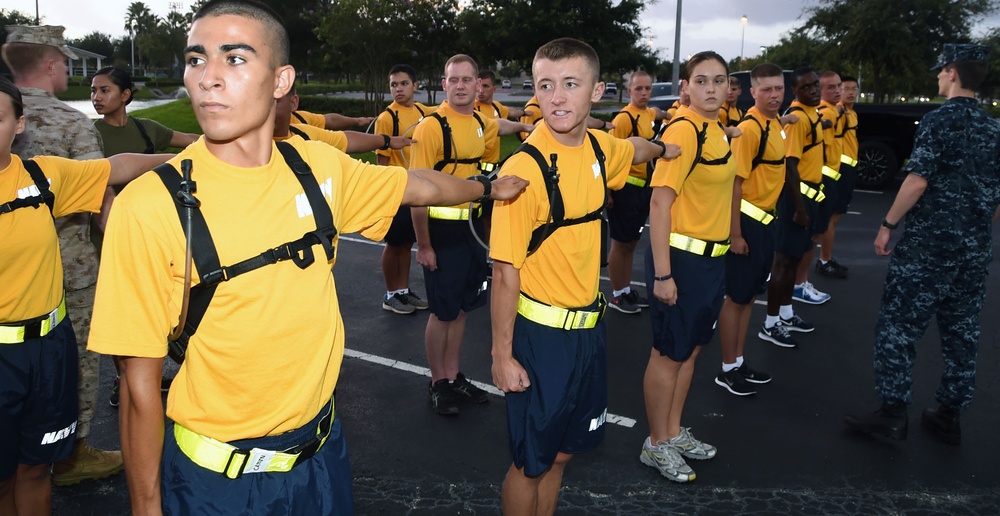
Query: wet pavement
pixel 782 451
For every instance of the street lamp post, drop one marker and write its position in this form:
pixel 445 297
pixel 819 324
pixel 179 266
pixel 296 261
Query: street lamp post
pixel 676 72
pixel 743 37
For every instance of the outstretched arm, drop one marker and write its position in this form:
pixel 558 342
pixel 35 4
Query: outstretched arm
pixel 128 166
pixel 335 121
pixel 432 188
pixel 364 142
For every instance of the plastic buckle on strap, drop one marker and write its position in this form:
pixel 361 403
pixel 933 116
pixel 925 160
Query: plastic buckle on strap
pixel 228 470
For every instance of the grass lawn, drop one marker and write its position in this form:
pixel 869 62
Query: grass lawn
pixel 178 116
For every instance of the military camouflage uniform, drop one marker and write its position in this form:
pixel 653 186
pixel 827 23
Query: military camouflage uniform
pixel 55 129
pixel 938 268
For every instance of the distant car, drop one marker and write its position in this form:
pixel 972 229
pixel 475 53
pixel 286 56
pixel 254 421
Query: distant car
pixel 662 95
pixel 505 84
pixel 611 88
pixel 528 85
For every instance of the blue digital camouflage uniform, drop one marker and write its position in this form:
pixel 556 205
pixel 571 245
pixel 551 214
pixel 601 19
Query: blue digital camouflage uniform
pixel 938 268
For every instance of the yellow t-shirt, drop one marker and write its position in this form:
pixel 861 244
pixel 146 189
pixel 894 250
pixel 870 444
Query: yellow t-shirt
pixel 536 115
pixel 644 119
pixel 267 354
pixel 672 110
pixel 31 270
pixel 492 110
pixel 336 139
pixel 408 119
pixel 565 269
pixel 802 134
pixel 762 185
pixel 730 115
pixel 704 197
pixel 469 141
pixel 307 118
pixel 849 140
pixel 831 144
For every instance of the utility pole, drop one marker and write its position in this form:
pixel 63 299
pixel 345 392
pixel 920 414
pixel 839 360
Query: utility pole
pixel 676 76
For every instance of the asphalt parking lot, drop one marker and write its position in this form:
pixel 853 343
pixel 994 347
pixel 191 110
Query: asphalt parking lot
pixel 782 451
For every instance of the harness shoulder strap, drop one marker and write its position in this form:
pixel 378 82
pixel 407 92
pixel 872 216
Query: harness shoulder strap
pixel 395 121
pixel 812 126
pixel 765 132
pixel 699 136
pixel 446 141
pixel 496 107
pixel 300 117
pixel 297 131
pixel 144 134
pixel 45 194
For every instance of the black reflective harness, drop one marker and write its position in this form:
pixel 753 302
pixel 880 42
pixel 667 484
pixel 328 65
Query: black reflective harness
pixel 765 132
pixel 447 139
pixel 812 127
pixel 395 119
pixel 206 257
pixel 145 136
pixel 557 210
pixel 702 135
pixel 44 195
pixel 651 164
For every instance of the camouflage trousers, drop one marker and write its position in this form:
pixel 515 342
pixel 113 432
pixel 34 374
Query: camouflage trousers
pixel 80 306
pixel 917 289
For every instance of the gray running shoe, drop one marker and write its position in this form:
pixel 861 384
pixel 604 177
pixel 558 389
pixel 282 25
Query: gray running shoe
pixel 777 335
pixel 397 303
pixel 637 299
pixel 692 448
pixel 415 301
pixel 666 460
pixel 624 304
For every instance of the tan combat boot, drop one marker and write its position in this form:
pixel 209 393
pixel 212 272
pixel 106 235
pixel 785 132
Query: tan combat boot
pixel 86 463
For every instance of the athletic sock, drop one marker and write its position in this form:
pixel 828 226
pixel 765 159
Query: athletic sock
pixel 786 312
pixel 625 290
pixel 729 367
pixel 771 320
pixel 739 361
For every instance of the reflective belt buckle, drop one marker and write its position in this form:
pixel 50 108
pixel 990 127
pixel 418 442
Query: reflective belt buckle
pixel 234 473
pixel 39 327
pixel 632 180
pixel 719 250
pixel 557 317
pixel 686 243
pixel 831 173
pixel 844 158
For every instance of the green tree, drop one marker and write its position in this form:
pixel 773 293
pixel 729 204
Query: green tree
pixel 141 24
pixel 990 88
pixel 96 42
pixel 895 40
pixel 512 30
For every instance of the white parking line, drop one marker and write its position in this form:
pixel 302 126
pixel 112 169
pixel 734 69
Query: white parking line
pixel 626 422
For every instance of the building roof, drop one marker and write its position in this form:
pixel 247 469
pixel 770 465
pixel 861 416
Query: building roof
pixel 86 54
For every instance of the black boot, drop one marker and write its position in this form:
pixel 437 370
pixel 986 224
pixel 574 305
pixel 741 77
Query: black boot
pixel 888 421
pixel 944 423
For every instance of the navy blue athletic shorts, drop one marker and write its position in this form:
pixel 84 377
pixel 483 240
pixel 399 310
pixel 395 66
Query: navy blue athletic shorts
pixel 746 274
pixel 459 283
pixel 790 238
pixel 700 291
pixel 629 212
pixel 319 485
pixel 826 207
pixel 38 399
pixel 565 407
pixel 845 188
pixel 401 230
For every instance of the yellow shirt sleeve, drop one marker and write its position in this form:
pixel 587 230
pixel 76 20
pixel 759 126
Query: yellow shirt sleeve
pixel 798 136
pixel 78 185
pixel 427 150
pixel 313 119
pixel 745 147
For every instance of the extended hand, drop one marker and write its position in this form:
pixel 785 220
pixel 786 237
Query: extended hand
pixel 398 142
pixel 827 124
pixel 882 241
pixel 733 132
pixel 507 187
pixel 672 150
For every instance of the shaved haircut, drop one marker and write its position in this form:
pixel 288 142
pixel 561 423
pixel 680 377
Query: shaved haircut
pixel 568 48
pixel 274 28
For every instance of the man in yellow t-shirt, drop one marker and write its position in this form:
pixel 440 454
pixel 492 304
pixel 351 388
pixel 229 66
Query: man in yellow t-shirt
pixel 832 93
pixel 848 144
pixel 455 140
pixel 254 394
pixel 798 208
pixel 491 108
pixel 760 176
pixel 400 119
pixel 540 347
pixel 729 114
pixel 629 207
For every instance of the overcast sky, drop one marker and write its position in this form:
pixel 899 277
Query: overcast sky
pixel 707 24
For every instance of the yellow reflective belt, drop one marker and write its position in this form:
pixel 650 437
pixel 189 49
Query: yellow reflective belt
pixel 699 247
pixel 844 158
pixel 755 213
pixel 487 167
pixel 555 317
pixel 632 180
pixel 226 459
pixel 444 213
pixel 811 192
pixel 831 173
pixel 15 334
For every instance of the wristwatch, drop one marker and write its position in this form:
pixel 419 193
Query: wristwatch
pixel 886 224
pixel 387 141
pixel 487 187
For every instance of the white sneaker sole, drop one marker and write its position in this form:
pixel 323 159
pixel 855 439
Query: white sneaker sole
pixel 676 476
pixel 763 336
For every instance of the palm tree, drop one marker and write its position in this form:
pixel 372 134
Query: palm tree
pixel 138 19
